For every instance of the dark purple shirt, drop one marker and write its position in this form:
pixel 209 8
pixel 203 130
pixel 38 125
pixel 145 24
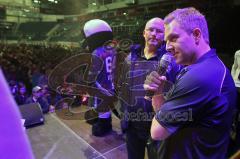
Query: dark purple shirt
pixel 198 111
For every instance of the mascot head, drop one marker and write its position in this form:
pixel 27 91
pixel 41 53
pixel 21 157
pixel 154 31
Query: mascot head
pixel 96 33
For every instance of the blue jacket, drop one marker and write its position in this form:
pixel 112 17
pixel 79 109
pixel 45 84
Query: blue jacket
pixel 42 101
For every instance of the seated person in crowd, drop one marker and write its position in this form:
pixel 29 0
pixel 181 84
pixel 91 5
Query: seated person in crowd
pixel 22 94
pixel 37 97
pixel 13 87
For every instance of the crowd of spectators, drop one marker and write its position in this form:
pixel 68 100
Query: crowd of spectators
pixel 26 68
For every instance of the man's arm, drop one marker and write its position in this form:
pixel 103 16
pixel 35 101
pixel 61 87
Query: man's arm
pixel 158 132
pixel 157 101
pixel 154 82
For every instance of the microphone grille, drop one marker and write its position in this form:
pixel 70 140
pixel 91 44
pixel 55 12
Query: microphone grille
pixel 167 57
pixel 165 60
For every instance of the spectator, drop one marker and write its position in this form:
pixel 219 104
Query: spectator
pixel 21 95
pixel 37 97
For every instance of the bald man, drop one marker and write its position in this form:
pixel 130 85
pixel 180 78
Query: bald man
pixel 138 112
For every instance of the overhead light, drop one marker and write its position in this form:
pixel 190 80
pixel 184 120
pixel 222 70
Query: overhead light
pixel 50 0
pixel 56 2
pixel 124 13
pixel 94 3
pixel 37 1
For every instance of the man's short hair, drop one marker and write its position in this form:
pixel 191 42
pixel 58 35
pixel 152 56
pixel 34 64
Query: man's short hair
pixel 189 19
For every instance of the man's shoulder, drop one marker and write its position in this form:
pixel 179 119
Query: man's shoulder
pixel 162 49
pixel 44 99
pixel 207 74
pixel 135 47
pixel 104 51
pixel 135 50
pixel 210 66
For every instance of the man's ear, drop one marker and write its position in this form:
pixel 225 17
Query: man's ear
pixel 143 32
pixel 197 35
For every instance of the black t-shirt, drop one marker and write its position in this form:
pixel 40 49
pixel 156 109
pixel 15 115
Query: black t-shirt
pixel 198 111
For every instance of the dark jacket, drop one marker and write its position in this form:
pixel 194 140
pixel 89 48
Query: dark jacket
pixel 135 108
pixel 42 101
pixel 21 99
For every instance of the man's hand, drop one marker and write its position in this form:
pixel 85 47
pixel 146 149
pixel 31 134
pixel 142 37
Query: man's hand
pixel 154 82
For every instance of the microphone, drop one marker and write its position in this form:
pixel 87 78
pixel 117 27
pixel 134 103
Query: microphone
pixel 161 70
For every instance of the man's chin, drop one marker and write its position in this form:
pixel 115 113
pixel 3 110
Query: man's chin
pixel 179 61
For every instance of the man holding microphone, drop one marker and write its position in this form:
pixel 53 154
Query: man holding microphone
pixel 194 119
